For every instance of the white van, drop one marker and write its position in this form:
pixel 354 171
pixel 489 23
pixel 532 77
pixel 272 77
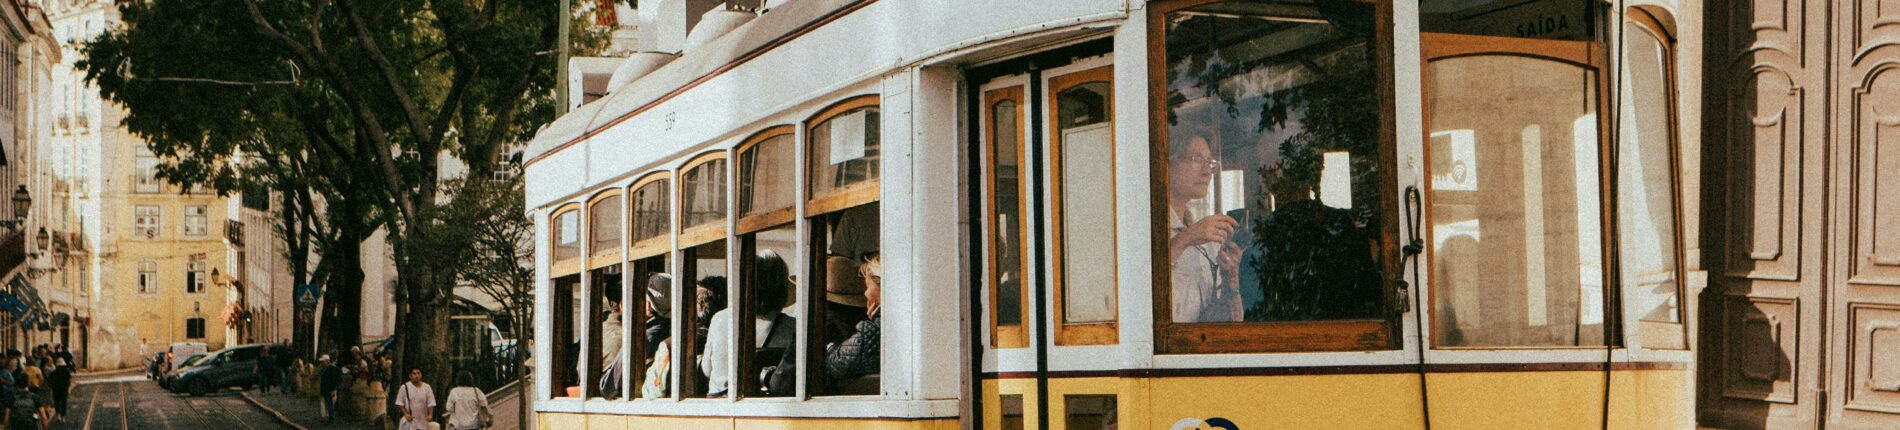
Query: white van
pixel 183 350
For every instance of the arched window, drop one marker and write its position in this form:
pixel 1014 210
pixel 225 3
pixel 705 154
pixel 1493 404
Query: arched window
pixel 842 207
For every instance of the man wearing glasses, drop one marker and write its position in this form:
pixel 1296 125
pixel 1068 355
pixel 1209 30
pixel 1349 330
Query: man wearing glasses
pixel 1205 262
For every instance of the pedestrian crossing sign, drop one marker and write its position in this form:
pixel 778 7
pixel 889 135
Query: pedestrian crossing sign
pixel 307 295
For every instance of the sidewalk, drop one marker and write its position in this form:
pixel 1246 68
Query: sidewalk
pixel 307 412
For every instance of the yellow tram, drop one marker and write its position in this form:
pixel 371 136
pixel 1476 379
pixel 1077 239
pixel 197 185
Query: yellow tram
pixel 1118 214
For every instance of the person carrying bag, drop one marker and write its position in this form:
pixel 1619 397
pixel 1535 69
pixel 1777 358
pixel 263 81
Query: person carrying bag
pixel 467 406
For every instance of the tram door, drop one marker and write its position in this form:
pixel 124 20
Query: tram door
pixel 1046 294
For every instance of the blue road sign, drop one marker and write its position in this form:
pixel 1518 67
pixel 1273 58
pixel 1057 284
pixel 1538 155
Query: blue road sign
pixel 307 295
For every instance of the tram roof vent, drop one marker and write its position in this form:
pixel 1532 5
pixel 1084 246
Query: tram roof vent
pixel 715 23
pixel 636 65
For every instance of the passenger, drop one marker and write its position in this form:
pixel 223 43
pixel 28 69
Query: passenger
pixel 659 331
pixel 709 299
pixel 844 297
pixel 770 281
pixel 858 355
pixel 610 334
pixel 1206 264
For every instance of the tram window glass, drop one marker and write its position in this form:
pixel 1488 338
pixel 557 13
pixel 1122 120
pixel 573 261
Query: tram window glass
pixel 567 320
pixel 765 174
pixel 603 225
pixel 1012 411
pixel 567 235
pixel 651 215
pixel 1004 132
pixel 603 319
pixel 846 355
pixel 1084 165
pixel 843 150
pixel 705 295
pixel 653 349
pixel 1275 204
pixel 1646 188
pixel 1090 412
pixel 765 297
pixel 1515 215
pixel 703 200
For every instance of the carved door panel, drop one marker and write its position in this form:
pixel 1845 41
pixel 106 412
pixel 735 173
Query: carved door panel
pixel 1762 324
pixel 1864 219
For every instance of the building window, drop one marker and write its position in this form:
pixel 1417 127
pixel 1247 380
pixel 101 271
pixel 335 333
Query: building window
pixel 1278 236
pixel 148 277
pixel 195 328
pixel 195 274
pixel 196 220
pixel 145 221
pixel 842 152
pixel 1515 218
pixel 145 178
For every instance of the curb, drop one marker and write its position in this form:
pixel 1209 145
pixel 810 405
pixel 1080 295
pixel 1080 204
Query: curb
pixel 273 412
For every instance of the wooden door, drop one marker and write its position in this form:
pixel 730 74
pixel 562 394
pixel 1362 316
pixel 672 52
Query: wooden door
pixel 1863 324
pixel 1762 320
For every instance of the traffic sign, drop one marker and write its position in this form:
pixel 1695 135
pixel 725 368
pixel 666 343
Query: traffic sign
pixel 307 295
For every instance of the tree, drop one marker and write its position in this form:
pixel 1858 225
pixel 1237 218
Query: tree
pixel 501 266
pixel 360 101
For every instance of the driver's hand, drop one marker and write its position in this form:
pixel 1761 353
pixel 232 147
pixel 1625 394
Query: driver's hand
pixel 1212 229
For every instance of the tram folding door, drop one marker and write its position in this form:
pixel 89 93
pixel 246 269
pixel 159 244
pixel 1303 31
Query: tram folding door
pixel 1048 288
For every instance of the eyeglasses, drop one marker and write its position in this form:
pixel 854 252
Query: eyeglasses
pixel 1210 164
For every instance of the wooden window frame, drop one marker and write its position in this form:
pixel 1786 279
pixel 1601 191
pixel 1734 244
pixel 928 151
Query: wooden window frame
pixel 599 258
pixel 768 219
pixel 1002 336
pixel 1269 337
pixel 1661 26
pixel 657 245
pixel 691 236
pixel 849 196
pixel 559 267
pixel 1591 55
pixel 1067 334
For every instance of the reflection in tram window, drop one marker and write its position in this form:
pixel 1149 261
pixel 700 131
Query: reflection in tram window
pixel 1646 188
pixel 844 151
pixel 1090 412
pixel 1273 181
pixel 1004 131
pixel 703 200
pixel 651 217
pixel 603 226
pixel 1515 211
pixel 1083 153
pixel 765 175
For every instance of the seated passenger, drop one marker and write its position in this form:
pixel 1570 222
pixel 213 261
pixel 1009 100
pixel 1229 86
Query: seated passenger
pixel 858 356
pixel 708 299
pixel 1205 263
pixel 844 297
pixel 610 334
pixel 659 330
pixel 770 285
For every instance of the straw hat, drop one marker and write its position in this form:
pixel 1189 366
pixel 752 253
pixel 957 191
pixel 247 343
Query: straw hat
pixel 843 285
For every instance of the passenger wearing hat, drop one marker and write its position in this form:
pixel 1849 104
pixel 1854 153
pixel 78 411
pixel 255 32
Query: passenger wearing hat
pixel 659 330
pixel 844 297
pixel 329 379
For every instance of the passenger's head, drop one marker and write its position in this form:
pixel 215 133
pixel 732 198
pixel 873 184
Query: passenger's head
pixel 771 281
pixel 872 271
pixel 660 295
pixel 1190 168
pixel 843 283
pixel 711 295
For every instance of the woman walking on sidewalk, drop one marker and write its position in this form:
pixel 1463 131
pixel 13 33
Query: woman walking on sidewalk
pixel 417 400
pixel 467 406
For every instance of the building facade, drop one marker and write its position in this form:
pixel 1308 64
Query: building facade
pixel 26 118
pixel 157 266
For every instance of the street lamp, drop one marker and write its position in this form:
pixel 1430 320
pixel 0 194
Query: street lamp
pixel 22 202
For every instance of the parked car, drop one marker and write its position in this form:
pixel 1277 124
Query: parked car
pixel 182 350
pixel 189 361
pixel 231 367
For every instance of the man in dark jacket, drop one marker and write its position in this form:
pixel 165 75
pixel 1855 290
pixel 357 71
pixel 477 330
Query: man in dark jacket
pixel 329 379
pixel 60 382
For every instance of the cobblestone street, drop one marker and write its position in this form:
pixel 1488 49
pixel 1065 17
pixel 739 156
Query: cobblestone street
pixel 132 402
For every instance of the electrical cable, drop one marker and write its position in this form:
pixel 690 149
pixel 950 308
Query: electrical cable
pixel 1410 251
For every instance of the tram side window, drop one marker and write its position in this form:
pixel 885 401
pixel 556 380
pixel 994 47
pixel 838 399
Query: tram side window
pixel 1273 179
pixel 1646 182
pixel 1083 158
pixel 1003 130
pixel 702 239
pixel 767 345
pixel 566 354
pixel 1012 412
pixel 651 223
pixel 1090 412
pixel 844 358
pixel 604 321
pixel 567 235
pixel 1515 219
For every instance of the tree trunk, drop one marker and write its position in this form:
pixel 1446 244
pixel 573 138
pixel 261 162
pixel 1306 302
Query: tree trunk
pixel 423 307
pixel 297 250
pixel 343 291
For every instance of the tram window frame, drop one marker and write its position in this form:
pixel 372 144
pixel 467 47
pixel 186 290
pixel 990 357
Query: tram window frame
pixel 661 242
pixel 1660 25
pixel 639 271
pixel 750 224
pixel 604 232
pixel 564 265
pixel 694 240
pixel 1591 55
pixel 600 280
pixel 564 278
pixel 1373 334
pixel 1093 332
pixel 820 211
pixel 1015 335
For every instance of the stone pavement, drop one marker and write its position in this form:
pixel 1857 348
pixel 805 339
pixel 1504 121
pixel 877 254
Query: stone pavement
pixel 306 412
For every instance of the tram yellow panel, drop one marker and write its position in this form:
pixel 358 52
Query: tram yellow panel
pixel 842 424
pixel 1379 401
pixel 1560 400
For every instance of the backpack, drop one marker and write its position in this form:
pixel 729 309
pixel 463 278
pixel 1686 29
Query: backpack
pixel 781 379
pixel 25 409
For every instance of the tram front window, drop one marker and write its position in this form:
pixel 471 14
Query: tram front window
pixel 1273 180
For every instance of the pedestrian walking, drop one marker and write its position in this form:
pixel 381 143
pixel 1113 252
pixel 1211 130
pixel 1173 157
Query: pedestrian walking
pixel 23 411
pixel 265 370
pixel 417 401
pixel 329 379
pixel 60 382
pixel 467 406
